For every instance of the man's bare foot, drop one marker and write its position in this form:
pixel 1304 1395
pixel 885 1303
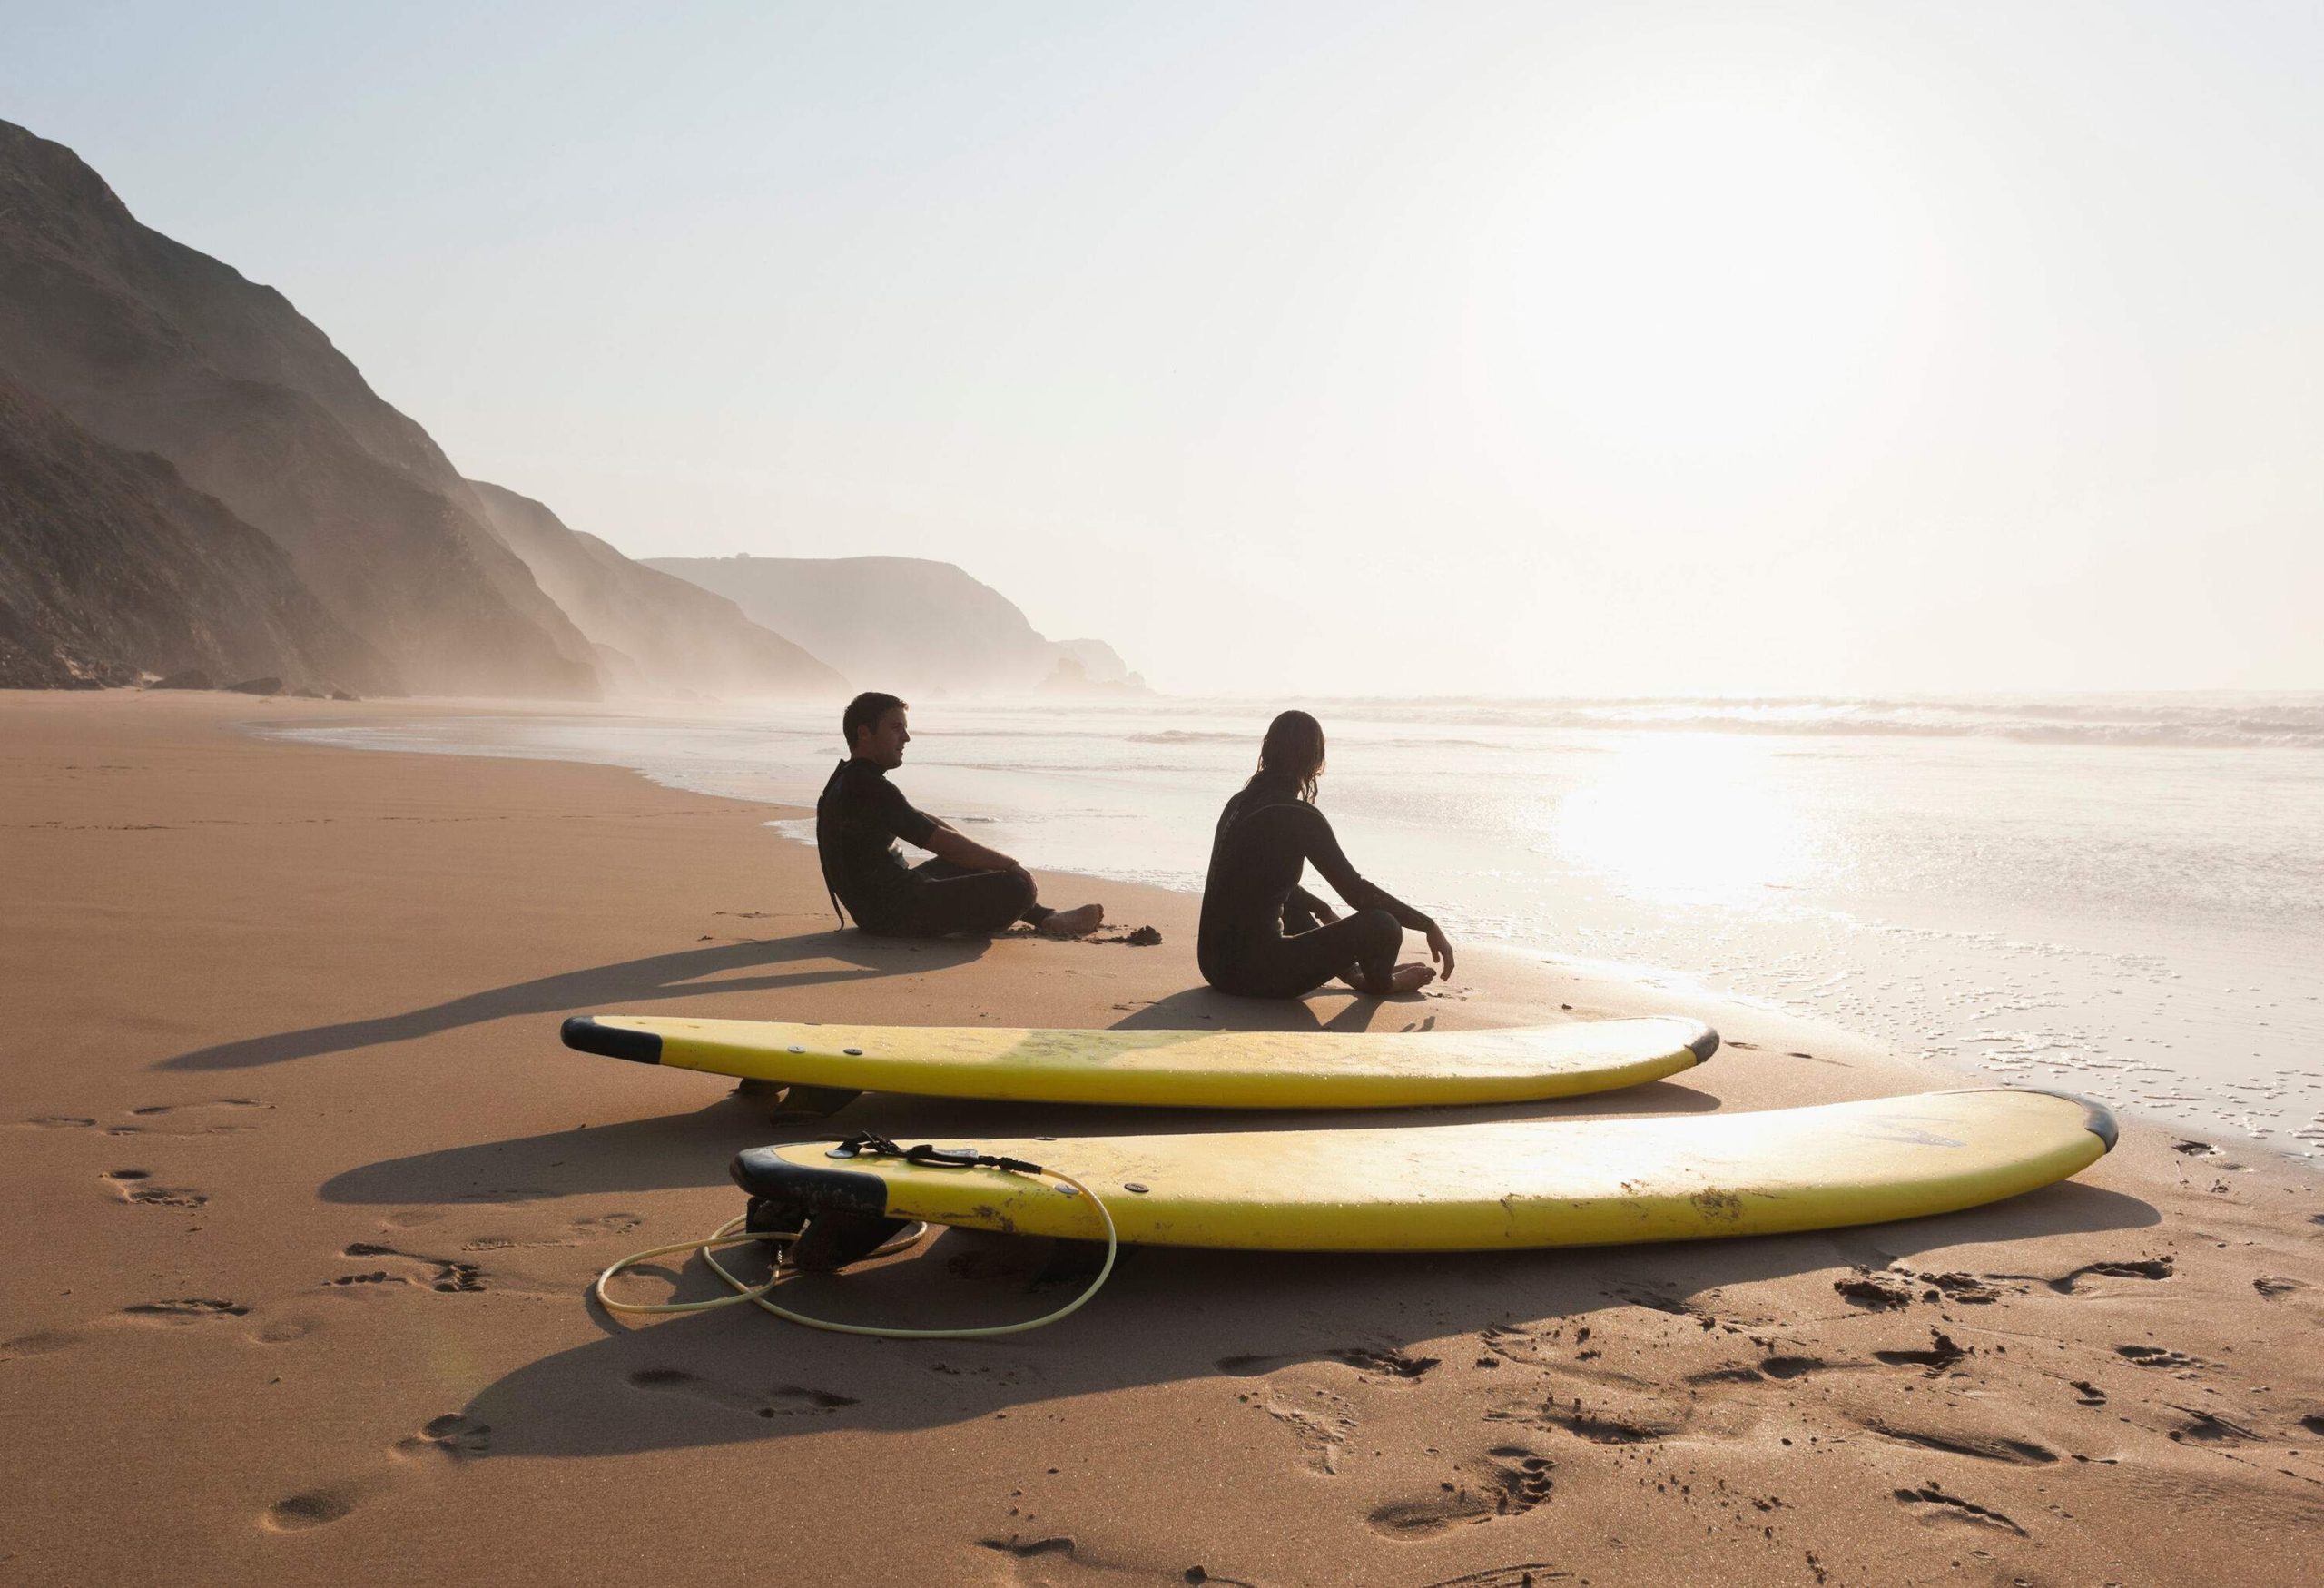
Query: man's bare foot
pixel 1078 922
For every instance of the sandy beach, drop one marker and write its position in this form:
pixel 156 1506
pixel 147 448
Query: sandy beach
pixel 308 1196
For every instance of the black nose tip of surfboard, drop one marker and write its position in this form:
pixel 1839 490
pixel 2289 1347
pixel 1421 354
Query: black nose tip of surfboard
pixel 584 1032
pixel 2097 1119
pixel 1703 1044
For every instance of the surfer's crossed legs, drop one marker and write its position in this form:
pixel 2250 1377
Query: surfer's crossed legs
pixel 966 887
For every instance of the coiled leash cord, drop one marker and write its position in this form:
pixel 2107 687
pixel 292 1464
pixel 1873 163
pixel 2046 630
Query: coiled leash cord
pixel 759 1296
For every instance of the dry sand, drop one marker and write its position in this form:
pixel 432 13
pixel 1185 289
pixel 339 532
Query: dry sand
pixel 306 1195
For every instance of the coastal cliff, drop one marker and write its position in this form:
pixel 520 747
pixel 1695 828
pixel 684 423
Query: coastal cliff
pixel 153 347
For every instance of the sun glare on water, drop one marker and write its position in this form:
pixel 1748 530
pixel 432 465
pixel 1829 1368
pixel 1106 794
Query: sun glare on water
pixel 1686 817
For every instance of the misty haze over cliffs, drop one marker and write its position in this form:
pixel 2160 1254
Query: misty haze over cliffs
pixel 110 562
pixel 192 477
pixel 654 635
pixel 903 623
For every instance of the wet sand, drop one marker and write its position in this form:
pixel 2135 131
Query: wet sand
pixel 308 1195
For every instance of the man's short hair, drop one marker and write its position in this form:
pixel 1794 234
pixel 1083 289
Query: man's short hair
pixel 865 712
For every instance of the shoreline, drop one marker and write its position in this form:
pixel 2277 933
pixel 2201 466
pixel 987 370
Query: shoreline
pixel 310 1194
pixel 1647 978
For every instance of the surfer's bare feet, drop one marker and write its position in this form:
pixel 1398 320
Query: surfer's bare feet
pixel 1407 978
pixel 1075 923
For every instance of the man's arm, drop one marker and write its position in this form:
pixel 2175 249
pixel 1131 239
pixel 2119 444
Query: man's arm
pixel 933 834
pixel 945 842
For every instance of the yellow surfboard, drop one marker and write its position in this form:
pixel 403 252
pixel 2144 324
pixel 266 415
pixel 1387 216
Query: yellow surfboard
pixel 1245 1070
pixel 1473 1187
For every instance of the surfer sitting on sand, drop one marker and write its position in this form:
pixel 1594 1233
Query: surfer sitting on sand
pixel 965 888
pixel 1263 934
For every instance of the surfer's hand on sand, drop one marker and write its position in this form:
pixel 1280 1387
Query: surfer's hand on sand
pixel 1439 948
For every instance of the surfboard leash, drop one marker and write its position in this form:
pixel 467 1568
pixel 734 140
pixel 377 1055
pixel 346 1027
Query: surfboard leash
pixel 862 1144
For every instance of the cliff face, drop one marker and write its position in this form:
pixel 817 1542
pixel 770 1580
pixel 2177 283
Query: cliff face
pixel 153 347
pixel 656 634
pixel 893 622
pixel 111 563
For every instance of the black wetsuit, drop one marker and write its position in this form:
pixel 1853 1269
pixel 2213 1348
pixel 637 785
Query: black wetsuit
pixel 858 819
pixel 1260 934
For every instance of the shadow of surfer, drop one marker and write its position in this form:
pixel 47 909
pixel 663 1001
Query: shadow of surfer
pixel 658 977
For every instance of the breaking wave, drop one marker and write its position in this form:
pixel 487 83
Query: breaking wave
pixel 2239 722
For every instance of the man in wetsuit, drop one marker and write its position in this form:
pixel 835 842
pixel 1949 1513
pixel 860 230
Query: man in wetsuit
pixel 965 888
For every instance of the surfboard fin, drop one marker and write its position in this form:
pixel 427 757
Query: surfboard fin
pixel 832 1239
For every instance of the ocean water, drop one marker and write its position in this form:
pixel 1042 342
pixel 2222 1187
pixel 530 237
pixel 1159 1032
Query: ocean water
pixel 2122 896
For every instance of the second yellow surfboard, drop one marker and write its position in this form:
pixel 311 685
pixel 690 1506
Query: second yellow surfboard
pixel 1245 1070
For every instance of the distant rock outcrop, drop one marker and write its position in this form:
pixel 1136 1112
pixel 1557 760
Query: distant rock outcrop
pixel 1091 667
pixel 903 624
pixel 153 347
pixel 655 634
pixel 110 566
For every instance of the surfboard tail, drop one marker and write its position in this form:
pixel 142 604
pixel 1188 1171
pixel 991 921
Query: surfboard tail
pixel 585 1033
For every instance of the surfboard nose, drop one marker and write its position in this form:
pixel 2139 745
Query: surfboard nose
pixel 1703 1044
pixel 583 1032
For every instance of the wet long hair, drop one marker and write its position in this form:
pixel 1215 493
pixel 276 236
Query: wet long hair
pixel 1293 748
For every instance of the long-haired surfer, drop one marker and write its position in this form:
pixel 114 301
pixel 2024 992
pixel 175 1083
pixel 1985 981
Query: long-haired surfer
pixel 1266 936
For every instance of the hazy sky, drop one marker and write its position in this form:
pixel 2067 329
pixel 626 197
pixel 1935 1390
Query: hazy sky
pixel 1344 348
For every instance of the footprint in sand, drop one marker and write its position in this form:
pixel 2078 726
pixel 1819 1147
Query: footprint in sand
pixel 60 1122
pixel 2210 1425
pixel 603 1224
pixel 1943 1352
pixel 38 1344
pixel 1877 1292
pixel 129 1185
pixel 442 1274
pixel 199 1121
pixel 1734 1374
pixel 179 1311
pixel 310 1508
pixel 1320 1422
pixel 1510 1481
pixel 1042 1557
pixel 2070 1284
pixel 1602 1427
pixel 453 1436
pixel 2157 1357
pixel 1385 1364
pixel 578 1231
pixel 784 1400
